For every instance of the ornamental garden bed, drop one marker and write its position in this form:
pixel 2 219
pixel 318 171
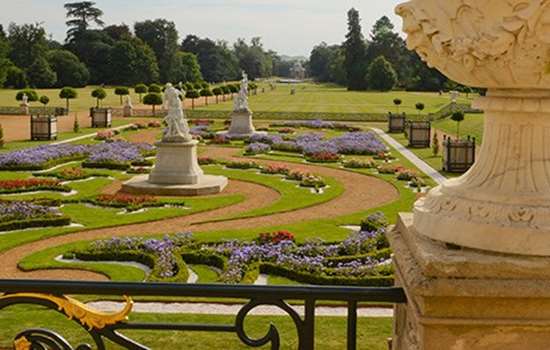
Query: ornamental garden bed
pixel 361 259
pixel 31 185
pixel 71 174
pixel 19 215
pixel 131 202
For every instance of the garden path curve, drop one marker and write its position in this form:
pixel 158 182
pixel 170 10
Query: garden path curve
pixel 361 193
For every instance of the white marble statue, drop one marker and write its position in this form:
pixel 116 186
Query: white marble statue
pixel 25 100
pixel 128 103
pixel 241 102
pixel 177 129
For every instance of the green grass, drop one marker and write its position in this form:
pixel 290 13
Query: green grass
pixel 472 126
pixel 206 273
pixel 330 331
pixel 315 98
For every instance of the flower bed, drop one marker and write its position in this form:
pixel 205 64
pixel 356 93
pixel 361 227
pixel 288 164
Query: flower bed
pixel 405 175
pixel 323 157
pixel 275 170
pixel 220 140
pixel 71 174
pixel 361 259
pixel 268 139
pixel 105 135
pixel 18 215
pixel 312 181
pixel 42 157
pixel 206 161
pixel 316 124
pixel 257 148
pixel 31 185
pixel 358 164
pixel 242 165
pixel 389 169
pixel 138 170
pixel 118 155
pixel 130 202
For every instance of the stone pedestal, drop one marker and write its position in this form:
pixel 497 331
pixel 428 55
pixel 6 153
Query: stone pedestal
pixel 176 173
pixel 463 299
pixel 127 111
pixel 241 125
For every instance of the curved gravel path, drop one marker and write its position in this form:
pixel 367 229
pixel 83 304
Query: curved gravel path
pixel 361 193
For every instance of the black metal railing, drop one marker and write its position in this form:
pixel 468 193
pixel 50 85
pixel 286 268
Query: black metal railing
pixel 103 326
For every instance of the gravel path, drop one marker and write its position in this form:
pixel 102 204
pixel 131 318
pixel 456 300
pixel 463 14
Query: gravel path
pixel 361 193
pixel 419 163
pixel 224 309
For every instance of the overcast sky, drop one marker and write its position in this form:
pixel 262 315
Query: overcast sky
pixel 289 27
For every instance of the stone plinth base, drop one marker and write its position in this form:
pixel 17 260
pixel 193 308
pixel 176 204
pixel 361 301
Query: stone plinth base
pixel 241 125
pixel 462 299
pixel 176 164
pixel 207 185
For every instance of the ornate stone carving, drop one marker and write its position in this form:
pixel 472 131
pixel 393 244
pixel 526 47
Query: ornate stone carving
pixel 241 101
pixel 488 43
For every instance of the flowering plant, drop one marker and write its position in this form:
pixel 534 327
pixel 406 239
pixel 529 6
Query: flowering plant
pixel 405 175
pixel 275 170
pixel 295 175
pixel 257 148
pixel 104 135
pixel 242 165
pixel 275 237
pixel 323 156
pixel 265 139
pixel 221 140
pixel 27 185
pixel 206 161
pixel 73 173
pixel 358 164
pixel 286 131
pixel 21 210
pixel 42 156
pixel 126 200
pixel 389 169
pixel 154 124
pixel 312 181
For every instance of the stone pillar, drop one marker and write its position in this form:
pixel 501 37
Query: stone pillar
pixel 474 257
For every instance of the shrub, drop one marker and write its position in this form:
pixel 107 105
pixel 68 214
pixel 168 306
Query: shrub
pixel 358 164
pixel 206 161
pixel 68 93
pixel 242 165
pixel 275 170
pixel 295 175
pixel 32 95
pixel 138 170
pixel 435 145
pixel 44 100
pixel 104 135
pixel 388 169
pixel 405 175
pixel 257 148
pixel 417 182
pixel 76 124
pixel 128 201
pixel 141 89
pixel 380 75
pixel 457 117
pixel 323 157
pixel 374 222
pixel 192 94
pixel 153 99
pixel 122 91
pixel 312 181
pixel 99 94
pixel 154 89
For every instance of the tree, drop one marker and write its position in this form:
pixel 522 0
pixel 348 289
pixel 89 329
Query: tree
pixel 420 107
pixel 16 78
pixel 162 36
pixel 355 52
pixel 44 100
pixel 206 92
pixel 217 61
pixel 76 124
pixel 457 117
pixel 99 94
pixel 397 102
pixel 68 93
pixel 226 90
pixel 80 14
pixel 192 94
pixel 381 76
pixel 5 63
pixel 32 96
pixel 122 91
pixel 153 99
pixel 217 91
pixel 28 44
pixel 186 67
pixel 68 68
pixel 133 62
pixel 155 88
pixel 140 89
pixel 233 89
pixel 40 74
pixel 253 59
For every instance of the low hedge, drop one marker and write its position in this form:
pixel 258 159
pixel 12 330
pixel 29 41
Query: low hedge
pixel 59 188
pixel 57 111
pixel 33 223
pixel 158 204
pixel 145 162
pixel 107 165
pixel 204 258
pixel 378 255
pixel 47 165
pixel 323 279
pixel 60 176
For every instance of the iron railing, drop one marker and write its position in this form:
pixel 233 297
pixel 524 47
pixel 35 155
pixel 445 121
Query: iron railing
pixel 103 326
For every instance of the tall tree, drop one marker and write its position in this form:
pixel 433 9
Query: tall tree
pixel 133 62
pixel 217 61
pixel 381 76
pixel 355 52
pixel 187 68
pixel 162 36
pixel 28 43
pixel 5 63
pixel 80 15
pixel 70 71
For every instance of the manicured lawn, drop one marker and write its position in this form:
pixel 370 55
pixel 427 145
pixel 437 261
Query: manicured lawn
pixel 472 126
pixel 337 100
pixel 330 332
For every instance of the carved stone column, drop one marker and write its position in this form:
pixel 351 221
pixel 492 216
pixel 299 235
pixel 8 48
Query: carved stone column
pixel 474 258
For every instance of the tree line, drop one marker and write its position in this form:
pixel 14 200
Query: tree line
pixel 382 62
pixel 150 52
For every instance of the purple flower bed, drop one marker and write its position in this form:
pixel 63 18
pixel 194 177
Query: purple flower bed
pixel 37 156
pixel 257 148
pixel 20 210
pixel 316 124
pixel 267 139
pixel 118 152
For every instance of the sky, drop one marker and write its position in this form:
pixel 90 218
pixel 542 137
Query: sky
pixel 290 27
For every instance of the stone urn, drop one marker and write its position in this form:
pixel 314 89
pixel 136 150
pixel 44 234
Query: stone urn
pixel 503 203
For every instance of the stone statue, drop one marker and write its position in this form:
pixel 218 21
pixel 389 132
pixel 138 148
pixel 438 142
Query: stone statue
pixel 241 102
pixel 128 103
pixel 177 129
pixel 25 101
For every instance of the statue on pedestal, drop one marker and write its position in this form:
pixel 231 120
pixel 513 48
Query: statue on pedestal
pixel 177 129
pixel 240 104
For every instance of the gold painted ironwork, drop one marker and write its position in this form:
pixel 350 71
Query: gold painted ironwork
pixel 75 309
pixel 22 344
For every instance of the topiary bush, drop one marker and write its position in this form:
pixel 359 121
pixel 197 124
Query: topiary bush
pixel 68 93
pixel 32 95
pixel 140 89
pixel 99 94
pixel 153 99
pixel 122 91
